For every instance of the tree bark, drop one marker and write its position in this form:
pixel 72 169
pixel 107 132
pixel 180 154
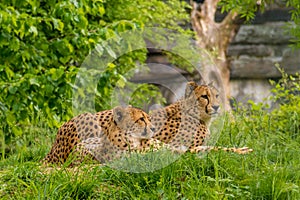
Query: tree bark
pixel 215 37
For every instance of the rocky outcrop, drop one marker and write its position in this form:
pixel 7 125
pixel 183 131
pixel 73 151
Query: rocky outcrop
pixel 256 52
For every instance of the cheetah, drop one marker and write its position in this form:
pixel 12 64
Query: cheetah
pixel 103 136
pixel 184 125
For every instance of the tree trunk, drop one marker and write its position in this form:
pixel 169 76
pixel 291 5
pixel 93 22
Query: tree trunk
pixel 215 38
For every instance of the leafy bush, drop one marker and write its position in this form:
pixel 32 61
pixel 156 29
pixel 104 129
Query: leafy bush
pixel 286 95
pixel 43 44
pixel 284 117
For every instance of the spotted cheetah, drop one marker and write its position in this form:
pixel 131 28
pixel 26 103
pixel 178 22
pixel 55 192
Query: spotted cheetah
pixel 184 125
pixel 102 136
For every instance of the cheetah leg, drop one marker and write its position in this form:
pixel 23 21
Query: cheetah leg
pixel 151 144
pixel 243 150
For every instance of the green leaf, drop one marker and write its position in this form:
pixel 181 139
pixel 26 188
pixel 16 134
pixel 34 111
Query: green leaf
pixel 15 44
pixel 12 89
pixel 34 81
pixel 83 22
pixel 9 72
pixel 101 10
pixel 56 73
pixel 65 59
pixel 17 130
pixel 33 30
pixel 58 24
pixel 10 118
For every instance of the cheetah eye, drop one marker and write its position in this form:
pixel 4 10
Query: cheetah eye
pixel 204 96
pixel 217 96
pixel 140 119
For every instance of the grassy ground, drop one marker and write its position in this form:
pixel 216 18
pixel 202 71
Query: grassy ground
pixel 272 171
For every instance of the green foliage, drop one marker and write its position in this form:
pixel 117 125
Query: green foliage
pixel 43 44
pixel 168 14
pixel 286 92
pixel 283 119
pixel 246 8
pixel 287 89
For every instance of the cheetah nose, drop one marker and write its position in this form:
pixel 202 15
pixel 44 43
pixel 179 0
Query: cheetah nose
pixel 152 129
pixel 215 107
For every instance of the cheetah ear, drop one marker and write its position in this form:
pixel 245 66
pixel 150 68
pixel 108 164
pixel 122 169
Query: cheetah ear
pixel 190 87
pixel 118 113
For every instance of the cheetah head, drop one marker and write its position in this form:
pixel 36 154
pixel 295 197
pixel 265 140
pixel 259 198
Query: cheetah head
pixel 135 122
pixel 204 100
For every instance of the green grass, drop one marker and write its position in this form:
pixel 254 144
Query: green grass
pixel 272 171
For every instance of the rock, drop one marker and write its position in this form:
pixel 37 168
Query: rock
pixel 250 89
pixel 291 60
pixel 253 50
pixel 254 67
pixel 246 66
pixel 268 33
